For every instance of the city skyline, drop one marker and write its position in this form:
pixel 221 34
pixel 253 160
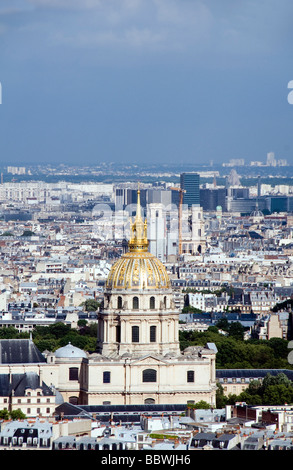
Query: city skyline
pixel 144 81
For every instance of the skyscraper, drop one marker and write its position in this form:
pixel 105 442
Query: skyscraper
pixel 189 182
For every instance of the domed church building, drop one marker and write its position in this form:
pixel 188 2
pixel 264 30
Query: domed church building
pixel 138 359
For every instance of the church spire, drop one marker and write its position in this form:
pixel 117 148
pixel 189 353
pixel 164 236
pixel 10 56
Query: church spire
pixel 138 239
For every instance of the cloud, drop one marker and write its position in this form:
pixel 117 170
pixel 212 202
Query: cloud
pixel 158 25
pixel 194 28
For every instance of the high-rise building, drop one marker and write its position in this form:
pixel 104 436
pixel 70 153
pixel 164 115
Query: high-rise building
pixel 211 198
pixel 271 161
pixel 189 182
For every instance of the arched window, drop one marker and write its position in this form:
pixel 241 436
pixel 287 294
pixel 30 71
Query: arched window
pixel 165 301
pixel 135 303
pixel 135 334
pixel 149 375
pixel 149 401
pixel 152 303
pixel 119 302
pixel 153 331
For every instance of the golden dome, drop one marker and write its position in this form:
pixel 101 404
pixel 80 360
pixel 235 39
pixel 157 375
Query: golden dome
pixel 138 269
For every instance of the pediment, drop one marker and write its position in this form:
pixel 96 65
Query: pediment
pixel 150 359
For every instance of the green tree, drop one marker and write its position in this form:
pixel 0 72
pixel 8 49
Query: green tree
pixel 49 344
pixel 9 333
pixel 27 233
pixel 279 346
pixel 75 339
pixel 223 324
pixel 90 305
pixel 190 309
pixel 277 395
pixel 236 330
pixel 253 399
pixel 200 405
pixel 17 414
pixel 221 399
pixel 4 414
pixel 59 330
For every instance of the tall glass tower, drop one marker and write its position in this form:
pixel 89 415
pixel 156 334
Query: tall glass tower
pixel 190 183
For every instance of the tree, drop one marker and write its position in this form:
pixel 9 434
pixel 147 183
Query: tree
pixel 279 346
pixel 253 399
pixel 27 233
pixel 200 405
pixel 190 309
pixel 221 399
pixel 223 324
pixel 75 339
pixel 9 333
pixel 273 390
pixel 59 329
pixel 272 380
pixel 46 344
pixel 277 395
pixel 4 414
pixel 236 330
pixel 17 414
pixel 91 305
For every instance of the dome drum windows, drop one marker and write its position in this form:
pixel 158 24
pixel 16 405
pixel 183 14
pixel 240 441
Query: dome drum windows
pixel 135 303
pixel 152 303
pixel 119 302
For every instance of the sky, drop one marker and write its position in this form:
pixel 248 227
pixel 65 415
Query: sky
pixel 145 81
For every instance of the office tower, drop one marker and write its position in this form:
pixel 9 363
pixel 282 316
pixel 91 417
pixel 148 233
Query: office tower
pixel 157 231
pixel 271 161
pixel 189 182
pixel 210 199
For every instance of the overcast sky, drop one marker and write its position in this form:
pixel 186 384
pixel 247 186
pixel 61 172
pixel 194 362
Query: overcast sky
pixel 85 81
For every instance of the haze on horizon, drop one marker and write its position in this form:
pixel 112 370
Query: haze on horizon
pixel 188 81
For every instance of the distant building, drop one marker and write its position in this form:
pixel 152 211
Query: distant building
pixel 211 198
pixel 190 183
pixel 271 161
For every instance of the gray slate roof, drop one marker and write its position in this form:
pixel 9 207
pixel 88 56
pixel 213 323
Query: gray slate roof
pixel 252 373
pixel 19 351
pixel 20 382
